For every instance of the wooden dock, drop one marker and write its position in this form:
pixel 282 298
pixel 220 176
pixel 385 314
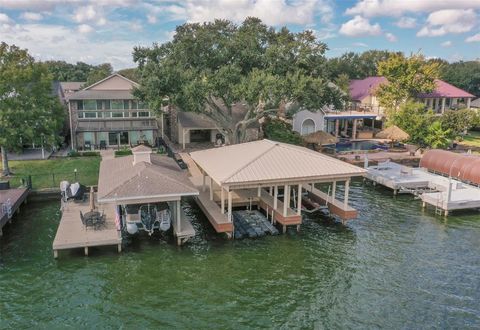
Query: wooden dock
pixel 267 202
pixel 335 206
pixel 10 201
pixel 185 231
pixel 72 234
pixel 214 214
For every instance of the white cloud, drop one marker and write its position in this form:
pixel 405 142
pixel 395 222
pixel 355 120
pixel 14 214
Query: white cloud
pixel 30 16
pixel 85 28
pixel 359 26
pixel 446 21
pixel 406 22
pixel 359 44
pixel 85 14
pixel 390 37
pixel 4 19
pixel 272 12
pixel 136 26
pixel 474 38
pixel 45 5
pixel 152 19
pixel 447 43
pixel 372 8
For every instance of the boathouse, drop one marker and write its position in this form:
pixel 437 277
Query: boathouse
pixel 261 172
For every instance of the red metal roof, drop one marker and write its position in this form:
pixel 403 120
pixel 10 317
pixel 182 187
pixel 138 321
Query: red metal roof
pixel 361 88
pixel 461 166
pixel 444 89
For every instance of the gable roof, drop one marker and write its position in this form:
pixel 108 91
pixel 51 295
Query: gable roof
pixel 195 120
pixel 361 88
pixel 121 180
pixel 265 161
pixel 444 89
pixel 110 77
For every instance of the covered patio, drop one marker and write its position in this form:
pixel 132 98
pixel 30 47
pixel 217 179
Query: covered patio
pixel 351 124
pixel 271 175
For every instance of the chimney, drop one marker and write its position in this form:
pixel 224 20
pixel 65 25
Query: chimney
pixel 141 153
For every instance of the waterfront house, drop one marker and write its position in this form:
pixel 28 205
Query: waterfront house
pixel 107 114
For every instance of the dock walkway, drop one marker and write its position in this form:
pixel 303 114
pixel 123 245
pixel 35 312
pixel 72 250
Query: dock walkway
pixel 72 234
pixel 335 206
pixel 185 231
pixel 267 202
pixel 10 201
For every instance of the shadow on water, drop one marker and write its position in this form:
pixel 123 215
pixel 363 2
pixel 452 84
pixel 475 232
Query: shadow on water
pixel 396 266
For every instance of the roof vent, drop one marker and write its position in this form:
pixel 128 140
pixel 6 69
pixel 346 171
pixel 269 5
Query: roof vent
pixel 141 153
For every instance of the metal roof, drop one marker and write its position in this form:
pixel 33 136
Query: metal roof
pixel 101 95
pixel 270 162
pixel 72 85
pixel 195 120
pixel 121 180
pixel 461 166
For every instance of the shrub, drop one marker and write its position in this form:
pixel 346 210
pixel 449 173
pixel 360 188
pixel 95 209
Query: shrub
pixel 123 152
pixel 458 121
pixel 278 130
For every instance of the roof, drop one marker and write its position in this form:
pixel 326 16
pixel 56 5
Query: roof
pixel 71 85
pixel 462 166
pixel 141 149
pixel 350 115
pixel 475 103
pixel 444 89
pixel 195 120
pixel 393 133
pixel 121 180
pixel 101 95
pixel 270 162
pixel 361 88
pixel 110 76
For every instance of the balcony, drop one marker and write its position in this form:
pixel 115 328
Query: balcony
pixel 96 125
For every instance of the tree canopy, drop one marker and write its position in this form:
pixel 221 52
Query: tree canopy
pixel 211 66
pixel 464 75
pixel 29 110
pixel 63 71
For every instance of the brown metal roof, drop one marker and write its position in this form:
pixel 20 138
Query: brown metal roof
pixel 268 161
pixel 461 166
pixel 195 120
pixel 121 180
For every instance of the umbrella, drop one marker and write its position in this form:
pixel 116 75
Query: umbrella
pixel 319 137
pixel 92 199
pixel 393 133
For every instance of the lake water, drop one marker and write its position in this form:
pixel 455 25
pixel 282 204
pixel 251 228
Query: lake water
pixel 394 267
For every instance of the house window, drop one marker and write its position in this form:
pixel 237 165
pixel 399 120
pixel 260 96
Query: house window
pixel 144 114
pixel 89 105
pixel 142 105
pixel 79 105
pixel 88 114
pixel 117 104
pixel 134 105
pixel 126 104
pixel 117 114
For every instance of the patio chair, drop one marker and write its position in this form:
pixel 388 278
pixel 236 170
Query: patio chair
pixel 103 144
pixel 86 222
pixel 87 145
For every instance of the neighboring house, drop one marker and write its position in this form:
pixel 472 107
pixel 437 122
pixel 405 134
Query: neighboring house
pixel 475 103
pixel 107 114
pixel 362 94
pixel 190 127
pixel 446 97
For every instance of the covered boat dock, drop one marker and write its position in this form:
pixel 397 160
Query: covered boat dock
pixel 260 173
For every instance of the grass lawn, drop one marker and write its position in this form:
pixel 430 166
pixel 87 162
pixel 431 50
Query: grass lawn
pixel 472 139
pixel 49 173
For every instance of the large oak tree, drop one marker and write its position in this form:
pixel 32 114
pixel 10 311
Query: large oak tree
pixel 209 67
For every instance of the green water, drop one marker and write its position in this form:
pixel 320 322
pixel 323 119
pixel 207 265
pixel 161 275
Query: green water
pixel 393 267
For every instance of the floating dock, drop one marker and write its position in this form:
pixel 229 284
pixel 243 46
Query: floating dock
pixel 10 201
pixel 72 234
pixel 443 193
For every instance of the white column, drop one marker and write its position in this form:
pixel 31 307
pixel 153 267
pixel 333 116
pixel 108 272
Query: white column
pixel 354 129
pixel 469 100
pixel 204 186
pixel 443 105
pixel 259 191
pixel 299 200
pixel 286 189
pixel 183 138
pixel 179 212
pixel 229 206
pixel 222 197
pixel 334 188
pixel 211 189
pixel 347 187
pixel 275 198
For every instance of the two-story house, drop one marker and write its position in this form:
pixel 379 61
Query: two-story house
pixel 106 114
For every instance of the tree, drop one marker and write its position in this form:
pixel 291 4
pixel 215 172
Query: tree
pixel 98 73
pixel 407 78
pixel 464 75
pixel 29 111
pixel 458 121
pixel 437 136
pixel 63 71
pixel 211 66
pixel 414 119
pixel 130 73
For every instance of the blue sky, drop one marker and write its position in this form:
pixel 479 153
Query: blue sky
pixel 97 31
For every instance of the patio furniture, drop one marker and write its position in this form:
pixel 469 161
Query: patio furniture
pixel 103 144
pixel 88 145
pixel 93 219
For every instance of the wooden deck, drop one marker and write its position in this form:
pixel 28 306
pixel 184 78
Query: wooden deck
pixel 266 202
pixel 10 201
pixel 192 167
pixel 72 234
pixel 214 214
pixel 335 207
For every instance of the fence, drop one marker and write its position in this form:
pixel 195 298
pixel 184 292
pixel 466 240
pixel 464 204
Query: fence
pixel 53 179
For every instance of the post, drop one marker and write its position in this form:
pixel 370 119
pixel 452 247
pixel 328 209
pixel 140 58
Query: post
pixel 299 200
pixel 162 126
pixel 354 129
pixel 443 105
pixel 337 127
pixel 55 254
pixel 469 100
pixel 211 189
pixel 222 197
pixel 334 189
pixel 229 205
pixel 347 187
pixel 86 250
pixel 449 193
pixel 275 198
pixel 178 214
pixel 183 138
pixel 204 186
pixel 119 247
pixel 286 199
pixel 259 191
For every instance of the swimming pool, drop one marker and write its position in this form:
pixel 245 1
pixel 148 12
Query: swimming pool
pixel 357 145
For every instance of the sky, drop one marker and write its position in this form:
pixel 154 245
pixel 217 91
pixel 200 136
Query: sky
pixel 99 31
